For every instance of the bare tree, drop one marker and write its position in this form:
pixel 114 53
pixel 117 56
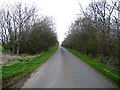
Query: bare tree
pixel 23 32
pixel 96 33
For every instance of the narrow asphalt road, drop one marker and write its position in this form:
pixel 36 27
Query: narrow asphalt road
pixel 64 70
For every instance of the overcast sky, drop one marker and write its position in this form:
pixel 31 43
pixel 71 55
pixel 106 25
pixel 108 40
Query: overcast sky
pixel 63 11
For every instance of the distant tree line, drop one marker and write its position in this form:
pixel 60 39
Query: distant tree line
pixel 97 32
pixel 23 31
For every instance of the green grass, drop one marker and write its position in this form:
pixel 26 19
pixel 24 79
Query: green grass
pixel 111 73
pixel 24 67
pixel 0 72
pixel 1 48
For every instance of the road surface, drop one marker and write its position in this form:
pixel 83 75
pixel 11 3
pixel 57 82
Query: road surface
pixel 64 70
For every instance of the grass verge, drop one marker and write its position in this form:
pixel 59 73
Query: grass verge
pixel 1 48
pixel 110 73
pixel 24 67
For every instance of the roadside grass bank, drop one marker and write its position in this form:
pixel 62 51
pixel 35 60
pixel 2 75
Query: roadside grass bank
pixel 25 67
pixel 111 73
pixel 1 48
